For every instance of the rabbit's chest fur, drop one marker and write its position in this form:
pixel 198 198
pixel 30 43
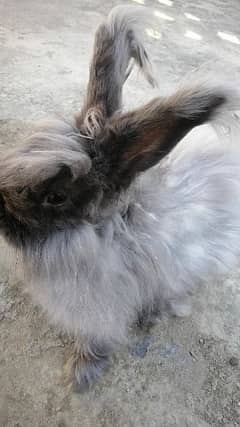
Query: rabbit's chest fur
pixel 99 276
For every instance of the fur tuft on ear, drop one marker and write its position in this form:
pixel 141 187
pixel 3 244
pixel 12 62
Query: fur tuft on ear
pixel 118 41
pixel 129 22
pixel 138 140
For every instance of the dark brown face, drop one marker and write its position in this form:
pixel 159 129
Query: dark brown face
pixel 36 212
pixel 57 195
pixel 46 185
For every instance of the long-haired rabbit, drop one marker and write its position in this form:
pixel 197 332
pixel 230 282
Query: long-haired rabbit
pixel 106 227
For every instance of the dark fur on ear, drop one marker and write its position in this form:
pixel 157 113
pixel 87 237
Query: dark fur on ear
pixel 117 41
pixel 138 140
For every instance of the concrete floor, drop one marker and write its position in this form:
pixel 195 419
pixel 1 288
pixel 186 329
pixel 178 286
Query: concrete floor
pixel 184 372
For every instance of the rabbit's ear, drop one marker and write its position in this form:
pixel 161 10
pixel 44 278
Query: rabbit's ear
pixel 138 140
pixel 117 41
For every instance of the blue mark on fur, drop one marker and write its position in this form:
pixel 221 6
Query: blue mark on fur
pixel 140 349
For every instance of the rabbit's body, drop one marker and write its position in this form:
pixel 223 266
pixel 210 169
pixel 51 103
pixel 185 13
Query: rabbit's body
pixel 111 216
pixel 175 228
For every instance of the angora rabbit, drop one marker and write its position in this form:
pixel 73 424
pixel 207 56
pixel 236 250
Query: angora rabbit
pixel 109 230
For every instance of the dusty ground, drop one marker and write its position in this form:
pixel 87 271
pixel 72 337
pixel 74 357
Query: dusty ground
pixel 183 373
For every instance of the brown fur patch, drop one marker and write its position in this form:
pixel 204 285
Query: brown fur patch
pixel 146 143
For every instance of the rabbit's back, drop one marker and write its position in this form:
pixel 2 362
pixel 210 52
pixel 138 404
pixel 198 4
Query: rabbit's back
pixel 193 207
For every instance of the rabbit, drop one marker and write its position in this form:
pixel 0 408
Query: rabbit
pixel 118 215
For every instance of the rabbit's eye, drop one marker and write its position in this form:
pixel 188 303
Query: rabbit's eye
pixel 55 198
pixel 20 190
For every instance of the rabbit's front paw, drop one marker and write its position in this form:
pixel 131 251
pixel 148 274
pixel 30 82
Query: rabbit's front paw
pixel 83 368
pixel 148 318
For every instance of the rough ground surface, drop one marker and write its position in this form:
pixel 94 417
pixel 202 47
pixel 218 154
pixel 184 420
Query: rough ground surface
pixel 183 372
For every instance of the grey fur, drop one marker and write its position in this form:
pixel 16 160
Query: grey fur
pixel 173 228
pixel 183 230
pixel 54 143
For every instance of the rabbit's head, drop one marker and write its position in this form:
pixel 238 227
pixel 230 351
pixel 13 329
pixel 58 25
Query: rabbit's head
pixel 45 181
pixel 66 174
